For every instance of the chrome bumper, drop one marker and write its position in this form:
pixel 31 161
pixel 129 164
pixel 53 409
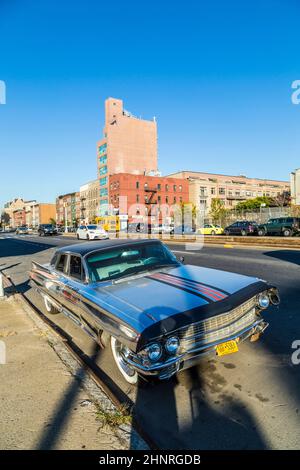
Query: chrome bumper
pixel 168 368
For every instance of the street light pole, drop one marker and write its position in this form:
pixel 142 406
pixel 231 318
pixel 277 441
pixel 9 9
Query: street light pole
pixel 66 224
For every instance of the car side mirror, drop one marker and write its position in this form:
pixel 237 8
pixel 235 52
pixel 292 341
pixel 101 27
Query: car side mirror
pixel 181 259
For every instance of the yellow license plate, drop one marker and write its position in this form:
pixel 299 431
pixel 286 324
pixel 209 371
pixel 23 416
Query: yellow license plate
pixel 227 348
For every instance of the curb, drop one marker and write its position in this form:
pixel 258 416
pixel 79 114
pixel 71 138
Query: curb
pixel 126 434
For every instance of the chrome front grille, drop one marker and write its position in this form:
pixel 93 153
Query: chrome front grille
pixel 219 327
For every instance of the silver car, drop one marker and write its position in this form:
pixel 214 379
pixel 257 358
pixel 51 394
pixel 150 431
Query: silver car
pixel 156 314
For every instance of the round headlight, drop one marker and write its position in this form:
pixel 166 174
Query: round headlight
pixel 154 352
pixel 263 300
pixel 172 345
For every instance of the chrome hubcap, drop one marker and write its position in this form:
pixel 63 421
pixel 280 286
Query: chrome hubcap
pixel 121 351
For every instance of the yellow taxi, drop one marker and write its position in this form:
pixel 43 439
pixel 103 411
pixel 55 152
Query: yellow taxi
pixel 210 229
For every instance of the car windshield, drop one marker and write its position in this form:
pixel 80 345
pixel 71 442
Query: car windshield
pixel 47 226
pixel 94 227
pixel 128 260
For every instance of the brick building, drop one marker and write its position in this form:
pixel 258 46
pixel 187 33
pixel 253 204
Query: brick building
pixel 129 145
pixel 39 213
pixel 68 209
pixel 145 193
pixel 89 201
pixel 203 187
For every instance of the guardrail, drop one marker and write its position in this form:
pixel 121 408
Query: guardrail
pixel 279 242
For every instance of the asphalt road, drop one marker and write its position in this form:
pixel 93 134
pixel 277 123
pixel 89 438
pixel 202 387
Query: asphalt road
pixel 248 400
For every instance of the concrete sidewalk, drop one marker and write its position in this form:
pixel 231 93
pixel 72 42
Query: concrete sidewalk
pixel 43 406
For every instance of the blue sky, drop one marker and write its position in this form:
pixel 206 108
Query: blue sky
pixel 216 74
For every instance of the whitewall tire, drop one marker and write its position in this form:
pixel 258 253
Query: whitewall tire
pixel 129 374
pixel 49 307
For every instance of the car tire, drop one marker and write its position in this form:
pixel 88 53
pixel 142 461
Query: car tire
pixel 40 234
pixel 49 307
pixel 261 232
pixel 77 236
pixel 87 236
pixel 129 374
pixel 226 232
pixel 243 233
pixel 286 232
pixel 212 232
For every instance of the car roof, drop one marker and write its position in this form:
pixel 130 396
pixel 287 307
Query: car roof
pixel 84 249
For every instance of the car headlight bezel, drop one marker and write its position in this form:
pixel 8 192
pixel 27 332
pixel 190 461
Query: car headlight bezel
pixel 172 345
pixel 263 300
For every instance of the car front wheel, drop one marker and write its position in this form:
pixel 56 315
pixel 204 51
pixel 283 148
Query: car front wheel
pixel 243 233
pixel 118 350
pixel 49 307
pixel 261 232
pixel 212 232
pixel 77 236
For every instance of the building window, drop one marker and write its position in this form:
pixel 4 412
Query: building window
pixel 222 191
pixel 180 188
pixel 137 185
pixel 167 187
pixel 180 199
pixel 102 149
pixel 159 198
pixel 103 181
pixel 103 202
pixel 212 191
pixel 103 192
pixel 158 186
pixel 174 200
pixel 167 200
pixel 103 170
pixel 146 185
pixel 103 160
pixel 174 188
pixel 137 198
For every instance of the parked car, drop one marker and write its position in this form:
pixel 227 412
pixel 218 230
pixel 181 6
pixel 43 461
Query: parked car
pixel 183 230
pixel 91 232
pixel 137 227
pixel 162 229
pixel 22 230
pixel 210 229
pixel 244 227
pixel 46 230
pixel 157 315
pixel 286 226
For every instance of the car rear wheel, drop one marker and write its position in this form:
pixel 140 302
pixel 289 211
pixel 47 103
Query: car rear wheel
pixel 87 236
pixel 212 232
pixel 118 349
pixel 243 233
pixel 77 236
pixel 49 307
pixel 227 232
pixel 287 232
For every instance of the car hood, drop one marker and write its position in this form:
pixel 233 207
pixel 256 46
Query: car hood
pixel 169 297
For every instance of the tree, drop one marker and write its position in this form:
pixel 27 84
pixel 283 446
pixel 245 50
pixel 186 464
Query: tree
pixel 254 204
pixel 5 218
pixel 52 221
pixel 217 211
pixel 283 199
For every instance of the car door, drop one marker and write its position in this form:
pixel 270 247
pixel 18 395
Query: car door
pixel 276 226
pixel 71 287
